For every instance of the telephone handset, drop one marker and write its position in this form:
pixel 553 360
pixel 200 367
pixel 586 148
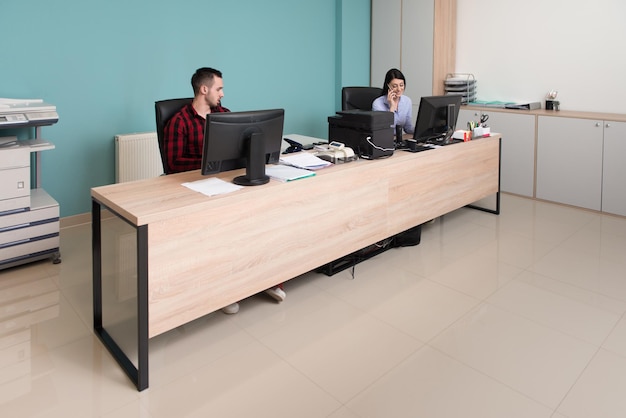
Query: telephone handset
pixel 293 146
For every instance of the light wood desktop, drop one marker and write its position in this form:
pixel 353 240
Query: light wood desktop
pixel 197 254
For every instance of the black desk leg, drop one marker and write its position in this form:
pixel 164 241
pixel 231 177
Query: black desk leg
pixel 96 268
pixel 142 306
pixel 138 375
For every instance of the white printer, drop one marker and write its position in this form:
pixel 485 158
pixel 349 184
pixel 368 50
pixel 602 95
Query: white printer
pixel 29 217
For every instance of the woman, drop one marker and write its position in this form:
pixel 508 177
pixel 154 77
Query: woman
pixel 394 100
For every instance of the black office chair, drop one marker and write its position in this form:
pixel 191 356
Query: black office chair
pixel 360 98
pixel 164 110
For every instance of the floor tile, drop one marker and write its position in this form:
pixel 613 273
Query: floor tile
pixel 551 309
pixel 579 268
pixel 478 275
pixel 77 379
pixel 431 384
pixel 425 310
pixel 515 249
pixel 616 341
pixel 341 349
pixel 537 361
pixel 600 391
pixel 250 382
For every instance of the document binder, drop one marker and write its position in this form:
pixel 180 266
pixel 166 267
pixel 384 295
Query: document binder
pixel 523 106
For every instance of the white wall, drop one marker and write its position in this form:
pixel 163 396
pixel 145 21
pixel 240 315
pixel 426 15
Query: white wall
pixel 519 50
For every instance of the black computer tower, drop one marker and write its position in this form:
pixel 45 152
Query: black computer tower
pixel 369 133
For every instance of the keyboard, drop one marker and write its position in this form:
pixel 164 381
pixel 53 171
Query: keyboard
pixel 413 147
pixel 419 148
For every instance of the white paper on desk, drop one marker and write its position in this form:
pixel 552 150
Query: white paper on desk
pixel 287 173
pixel 304 160
pixel 212 186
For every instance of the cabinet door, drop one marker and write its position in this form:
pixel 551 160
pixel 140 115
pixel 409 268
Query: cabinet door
pixel 417 49
pixel 402 37
pixel 518 147
pixel 614 168
pixel 569 161
pixel 386 40
pixel 466 115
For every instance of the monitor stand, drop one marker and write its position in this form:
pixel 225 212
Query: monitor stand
pixel 255 163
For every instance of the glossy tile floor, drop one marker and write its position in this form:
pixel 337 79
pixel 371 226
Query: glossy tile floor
pixel 517 315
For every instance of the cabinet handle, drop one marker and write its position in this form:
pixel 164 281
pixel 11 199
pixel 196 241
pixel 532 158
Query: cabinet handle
pixel 597 124
pixel 608 125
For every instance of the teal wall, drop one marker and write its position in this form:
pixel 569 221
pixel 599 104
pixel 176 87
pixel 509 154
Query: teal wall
pixel 352 54
pixel 105 63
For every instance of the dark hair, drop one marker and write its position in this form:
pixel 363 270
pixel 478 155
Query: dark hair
pixel 203 76
pixel 391 74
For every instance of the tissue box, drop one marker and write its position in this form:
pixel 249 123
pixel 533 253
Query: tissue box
pixel 463 135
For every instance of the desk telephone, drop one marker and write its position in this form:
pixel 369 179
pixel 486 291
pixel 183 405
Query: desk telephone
pixel 335 152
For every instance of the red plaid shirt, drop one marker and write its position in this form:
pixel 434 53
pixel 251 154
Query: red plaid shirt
pixel 183 138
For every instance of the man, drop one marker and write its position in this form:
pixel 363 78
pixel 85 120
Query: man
pixel 184 132
pixel 184 135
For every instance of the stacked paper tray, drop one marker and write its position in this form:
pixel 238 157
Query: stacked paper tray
pixel 461 84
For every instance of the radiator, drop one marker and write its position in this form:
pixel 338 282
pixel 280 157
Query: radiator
pixel 137 157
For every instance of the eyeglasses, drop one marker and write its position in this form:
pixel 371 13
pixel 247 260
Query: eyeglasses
pixel 395 86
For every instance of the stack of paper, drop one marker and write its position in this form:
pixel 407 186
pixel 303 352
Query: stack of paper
pixel 212 186
pixel 287 173
pixel 304 160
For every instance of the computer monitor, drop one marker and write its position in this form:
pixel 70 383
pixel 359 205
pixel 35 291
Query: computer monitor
pixel 248 139
pixel 436 118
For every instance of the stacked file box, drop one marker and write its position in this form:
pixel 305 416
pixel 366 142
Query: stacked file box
pixel 461 84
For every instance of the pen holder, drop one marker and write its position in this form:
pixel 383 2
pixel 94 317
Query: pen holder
pixel 481 131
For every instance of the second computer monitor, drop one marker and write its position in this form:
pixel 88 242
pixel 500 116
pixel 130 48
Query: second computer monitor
pixel 436 118
pixel 250 139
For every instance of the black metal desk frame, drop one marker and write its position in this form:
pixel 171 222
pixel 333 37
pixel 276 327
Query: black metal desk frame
pixel 138 375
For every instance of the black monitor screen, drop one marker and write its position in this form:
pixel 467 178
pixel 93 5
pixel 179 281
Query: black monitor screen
pixel 243 139
pixel 436 118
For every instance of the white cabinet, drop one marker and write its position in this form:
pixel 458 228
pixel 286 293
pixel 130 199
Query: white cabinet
pixel 574 158
pixel 518 147
pixel 614 168
pixel 582 162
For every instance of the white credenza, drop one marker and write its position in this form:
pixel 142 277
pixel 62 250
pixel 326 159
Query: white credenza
pixel 518 147
pixel 582 162
pixel 574 158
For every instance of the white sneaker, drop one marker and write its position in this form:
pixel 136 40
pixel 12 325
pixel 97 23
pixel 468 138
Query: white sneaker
pixel 233 308
pixel 277 293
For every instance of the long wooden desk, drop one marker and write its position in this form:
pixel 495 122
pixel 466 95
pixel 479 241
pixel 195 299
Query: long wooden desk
pixel 197 254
